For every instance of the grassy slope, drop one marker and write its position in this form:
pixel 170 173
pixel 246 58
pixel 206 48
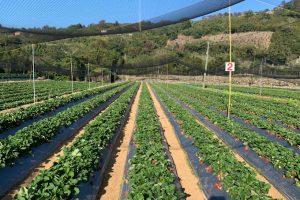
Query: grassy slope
pixel 142 47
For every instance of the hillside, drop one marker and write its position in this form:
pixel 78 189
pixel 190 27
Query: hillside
pixel 274 35
pixel 259 40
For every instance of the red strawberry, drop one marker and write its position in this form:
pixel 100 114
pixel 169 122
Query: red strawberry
pixel 218 186
pixel 209 169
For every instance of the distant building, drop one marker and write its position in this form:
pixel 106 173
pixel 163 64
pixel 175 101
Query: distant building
pixel 17 33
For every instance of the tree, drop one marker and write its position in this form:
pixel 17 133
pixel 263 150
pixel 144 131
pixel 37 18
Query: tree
pixel 80 70
pixel 278 54
pixel 249 14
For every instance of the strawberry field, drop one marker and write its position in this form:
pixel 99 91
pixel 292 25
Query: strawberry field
pixel 148 140
pixel 14 94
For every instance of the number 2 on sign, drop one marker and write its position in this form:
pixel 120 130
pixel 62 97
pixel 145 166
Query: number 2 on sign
pixel 230 67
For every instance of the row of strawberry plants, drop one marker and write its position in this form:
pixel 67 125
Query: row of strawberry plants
pixel 10 89
pixel 272 111
pixel 43 130
pixel 243 111
pixel 273 92
pixel 238 180
pixel 27 98
pixel 259 108
pixel 62 180
pixel 25 88
pixel 279 156
pixel 262 109
pixel 46 90
pixel 285 109
pixel 51 89
pixel 279 111
pixel 288 109
pixel 11 119
pixel 150 175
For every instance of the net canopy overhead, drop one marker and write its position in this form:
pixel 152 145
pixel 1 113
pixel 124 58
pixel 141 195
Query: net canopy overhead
pixel 75 18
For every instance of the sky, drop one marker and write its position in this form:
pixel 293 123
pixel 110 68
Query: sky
pixel 62 13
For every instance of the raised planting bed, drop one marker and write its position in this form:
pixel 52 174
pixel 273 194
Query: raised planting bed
pixel 245 111
pixel 16 94
pixel 78 172
pixel 265 155
pixel 221 174
pixel 11 122
pixel 12 175
pixel 151 173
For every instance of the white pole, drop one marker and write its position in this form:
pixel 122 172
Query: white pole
pixel 260 84
pixel 157 73
pixel 102 77
pixel 168 75
pixel 89 77
pixel 206 64
pixel 33 72
pixel 72 84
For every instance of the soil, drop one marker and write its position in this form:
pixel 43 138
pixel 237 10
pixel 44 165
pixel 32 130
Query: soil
pixel 114 175
pixel 239 80
pixel 189 181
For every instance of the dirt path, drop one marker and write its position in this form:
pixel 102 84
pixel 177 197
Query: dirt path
pixel 189 181
pixel 273 192
pixel 113 177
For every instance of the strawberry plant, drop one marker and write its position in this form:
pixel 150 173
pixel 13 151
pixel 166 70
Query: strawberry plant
pixel 16 94
pixel 238 180
pixel 43 130
pixel 279 156
pixel 249 113
pixel 272 92
pixel 150 176
pixel 61 181
pixel 11 119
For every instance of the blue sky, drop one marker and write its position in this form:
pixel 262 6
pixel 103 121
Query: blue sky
pixel 61 13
